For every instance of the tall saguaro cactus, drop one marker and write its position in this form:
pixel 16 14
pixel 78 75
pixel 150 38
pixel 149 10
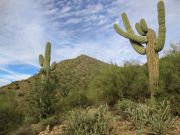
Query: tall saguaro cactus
pixel 44 62
pixel 45 91
pixel 153 44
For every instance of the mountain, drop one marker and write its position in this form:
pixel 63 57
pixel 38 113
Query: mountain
pixel 72 74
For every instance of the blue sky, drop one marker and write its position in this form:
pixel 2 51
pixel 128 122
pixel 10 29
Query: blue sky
pixel 74 27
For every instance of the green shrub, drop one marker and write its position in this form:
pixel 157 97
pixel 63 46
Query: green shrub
pixel 27 130
pixel 114 83
pixel 72 100
pixel 170 80
pixel 41 101
pixel 10 120
pixel 34 129
pixel 90 122
pixel 123 105
pixel 157 118
pixel 52 121
pixel 77 99
pixel 139 116
pixel 10 117
pixel 106 86
pixel 161 119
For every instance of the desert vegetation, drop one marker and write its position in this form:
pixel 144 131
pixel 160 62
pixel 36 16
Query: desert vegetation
pixel 85 96
pixel 115 101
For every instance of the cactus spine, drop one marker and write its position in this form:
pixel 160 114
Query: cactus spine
pixel 153 44
pixel 44 62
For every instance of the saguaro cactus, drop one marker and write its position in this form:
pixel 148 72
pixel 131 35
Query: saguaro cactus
pixel 44 62
pixel 153 44
pixel 45 92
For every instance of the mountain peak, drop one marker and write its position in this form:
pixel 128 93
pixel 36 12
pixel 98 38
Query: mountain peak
pixel 83 56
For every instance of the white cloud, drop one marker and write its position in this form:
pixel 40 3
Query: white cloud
pixel 73 21
pixel 11 76
pixel 74 29
pixel 4 81
pixel 115 50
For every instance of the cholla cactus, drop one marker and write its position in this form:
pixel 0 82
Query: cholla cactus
pixel 44 62
pixel 153 44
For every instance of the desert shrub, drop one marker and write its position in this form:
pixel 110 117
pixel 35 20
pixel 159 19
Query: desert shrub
pixel 41 101
pixel 123 105
pixel 10 117
pixel 77 99
pixel 106 86
pixel 51 121
pixel 135 83
pixel 90 122
pixel 139 116
pixel 26 130
pixel 73 100
pixel 170 80
pixel 157 118
pixel 161 119
pixel 114 83
pixel 34 129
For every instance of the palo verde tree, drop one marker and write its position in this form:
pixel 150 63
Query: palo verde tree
pixel 154 44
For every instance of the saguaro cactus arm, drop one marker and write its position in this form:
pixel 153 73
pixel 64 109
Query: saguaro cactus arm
pixel 143 25
pixel 129 35
pixel 162 27
pixel 126 23
pixel 44 62
pixel 136 45
pixel 139 29
pixel 41 60
pixel 47 56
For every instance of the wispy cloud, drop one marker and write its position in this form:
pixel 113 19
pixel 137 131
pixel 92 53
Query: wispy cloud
pixel 10 76
pixel 74 27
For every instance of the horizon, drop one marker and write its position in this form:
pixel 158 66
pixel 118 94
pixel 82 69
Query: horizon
pixel 74 28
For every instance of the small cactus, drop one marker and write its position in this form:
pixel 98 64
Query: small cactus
pixel 153 44
pixel 44 62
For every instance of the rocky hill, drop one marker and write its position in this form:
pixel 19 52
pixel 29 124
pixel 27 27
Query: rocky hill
pixel 72 74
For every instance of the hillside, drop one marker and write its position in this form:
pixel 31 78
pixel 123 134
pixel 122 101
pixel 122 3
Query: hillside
pixel 72 74
pixel 90 83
